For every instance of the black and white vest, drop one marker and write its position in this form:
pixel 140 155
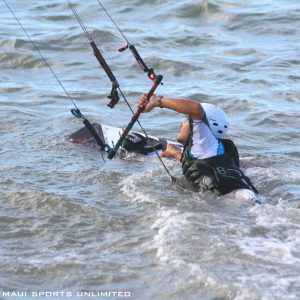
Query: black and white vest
pixel 220 174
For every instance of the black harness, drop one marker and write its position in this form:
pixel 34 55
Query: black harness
pixel 219 174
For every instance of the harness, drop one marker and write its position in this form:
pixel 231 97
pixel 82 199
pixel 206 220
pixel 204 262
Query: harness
pixel 219 174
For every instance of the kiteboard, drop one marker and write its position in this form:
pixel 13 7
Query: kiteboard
pixel 135 142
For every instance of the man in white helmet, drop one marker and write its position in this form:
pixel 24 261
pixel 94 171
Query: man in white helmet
pixel 209 162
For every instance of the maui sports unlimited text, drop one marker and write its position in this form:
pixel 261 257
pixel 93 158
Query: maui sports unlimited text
pixel 66 294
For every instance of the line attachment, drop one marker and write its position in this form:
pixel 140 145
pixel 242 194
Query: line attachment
pixel 150 71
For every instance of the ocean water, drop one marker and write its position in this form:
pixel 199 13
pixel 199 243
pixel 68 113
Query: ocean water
pixel 71 223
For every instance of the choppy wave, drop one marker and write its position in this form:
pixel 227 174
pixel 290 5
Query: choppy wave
pixel 16 60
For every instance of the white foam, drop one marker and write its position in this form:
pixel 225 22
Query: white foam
pixel 282 222
pixel 129 187
pixel 276 215
pixel 170 225
pixel 169 243
pixel 271 250
pixel 274 287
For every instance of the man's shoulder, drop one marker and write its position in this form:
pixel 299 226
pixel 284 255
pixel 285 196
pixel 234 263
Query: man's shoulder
pixel 230 149
pixel 228 143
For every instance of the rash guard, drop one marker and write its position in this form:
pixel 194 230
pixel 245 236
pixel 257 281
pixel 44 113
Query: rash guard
pixel 203 143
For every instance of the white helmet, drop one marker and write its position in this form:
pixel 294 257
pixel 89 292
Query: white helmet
pixel 217 119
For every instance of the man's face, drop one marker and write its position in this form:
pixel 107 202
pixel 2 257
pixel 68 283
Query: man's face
pixel 184 132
